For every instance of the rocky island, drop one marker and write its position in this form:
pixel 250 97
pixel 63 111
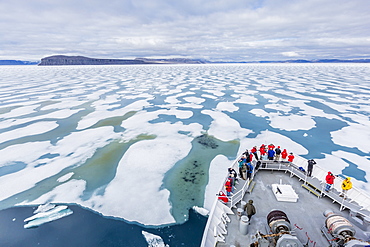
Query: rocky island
pixel 80 60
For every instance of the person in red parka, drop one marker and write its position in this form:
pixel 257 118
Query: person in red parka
pixel 254 152
pixel 262 148
pixel 329 181
pixel 284 154
pixel 228 187
pixel 263 152
pixel 290 157
pixel 223 197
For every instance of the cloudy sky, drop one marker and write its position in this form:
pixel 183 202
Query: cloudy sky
pixel 228 30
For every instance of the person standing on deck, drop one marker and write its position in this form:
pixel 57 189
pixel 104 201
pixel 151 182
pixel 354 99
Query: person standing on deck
pixel 271 154
pixel 284 154
pixel 346 186
pixel 228 187
pixel 262 150
pixel 241 166
pixel 244 171
pixel 246 154
pixel 232 171
pixel 254 152
pixel 329 181
pixel 290 157
pixel 250 157
pixel 250 209
pixel 277 153
pixel 249 170
pixel 263 154
pixel 310 165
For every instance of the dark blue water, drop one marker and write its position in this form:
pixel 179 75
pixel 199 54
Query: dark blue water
pixel 86 228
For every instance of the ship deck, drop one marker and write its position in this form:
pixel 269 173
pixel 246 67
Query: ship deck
pixel 306 215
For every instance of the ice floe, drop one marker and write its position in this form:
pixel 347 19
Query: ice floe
pixel 32 129
pixel 225 128
pixel 286 122
pixel 194 100
pixel 154 240
pixel 47 213
pixel 201 210
pixel 351 135
pixel 102 112
pixel 217 171
pixel 65 177
pixel 226 106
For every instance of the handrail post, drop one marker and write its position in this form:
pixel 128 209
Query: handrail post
pixel 305 178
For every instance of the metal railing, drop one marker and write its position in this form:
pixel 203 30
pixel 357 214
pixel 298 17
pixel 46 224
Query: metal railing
pixel 355 194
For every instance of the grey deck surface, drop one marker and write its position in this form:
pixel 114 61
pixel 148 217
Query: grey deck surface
pixel 305 215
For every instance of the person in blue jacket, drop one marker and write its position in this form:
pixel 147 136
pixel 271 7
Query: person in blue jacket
pixel 249 170
pixel 271 154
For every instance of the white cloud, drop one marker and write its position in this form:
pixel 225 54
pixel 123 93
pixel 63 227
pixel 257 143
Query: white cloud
pixel 225 30
pixel 290 54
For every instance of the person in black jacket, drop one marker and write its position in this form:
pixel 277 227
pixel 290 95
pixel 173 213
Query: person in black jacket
pixel 310 165
pixel 277 153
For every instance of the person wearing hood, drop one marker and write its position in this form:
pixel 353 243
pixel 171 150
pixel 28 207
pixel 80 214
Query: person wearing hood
pixel 284 154
pixel 254 152
pixel 329 181
pixel 250 209
pixel 346 186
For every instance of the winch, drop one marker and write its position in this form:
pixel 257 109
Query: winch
pixel 340 232
pixel 280 229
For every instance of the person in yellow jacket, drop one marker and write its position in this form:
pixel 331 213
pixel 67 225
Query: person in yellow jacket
pixel 346 185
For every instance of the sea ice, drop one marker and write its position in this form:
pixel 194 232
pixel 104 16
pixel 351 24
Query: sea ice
pixel 65 178
pixel 349 136
pixel 286 122
pixel 168 104
pixel 32 129
pixel 61 114
pixel 154 240
pixel 53 214
pixel 73 150
pixel 226 106
pixel 102 112
pixel 217 173
pixel 194 100
pixel 225 128
pixel 70 191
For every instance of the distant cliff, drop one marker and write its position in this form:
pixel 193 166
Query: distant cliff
pixel 80 60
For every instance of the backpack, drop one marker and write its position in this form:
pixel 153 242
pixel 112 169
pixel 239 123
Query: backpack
pixel 249 168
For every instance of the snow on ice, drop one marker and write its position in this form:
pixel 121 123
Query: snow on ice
pixel 48 131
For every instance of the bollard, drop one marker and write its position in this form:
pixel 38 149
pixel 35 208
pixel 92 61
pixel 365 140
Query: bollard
pixel 242 204
pixel 243 225
pixel 239 212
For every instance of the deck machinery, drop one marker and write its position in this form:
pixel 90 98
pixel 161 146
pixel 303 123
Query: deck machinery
pixel 340 232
